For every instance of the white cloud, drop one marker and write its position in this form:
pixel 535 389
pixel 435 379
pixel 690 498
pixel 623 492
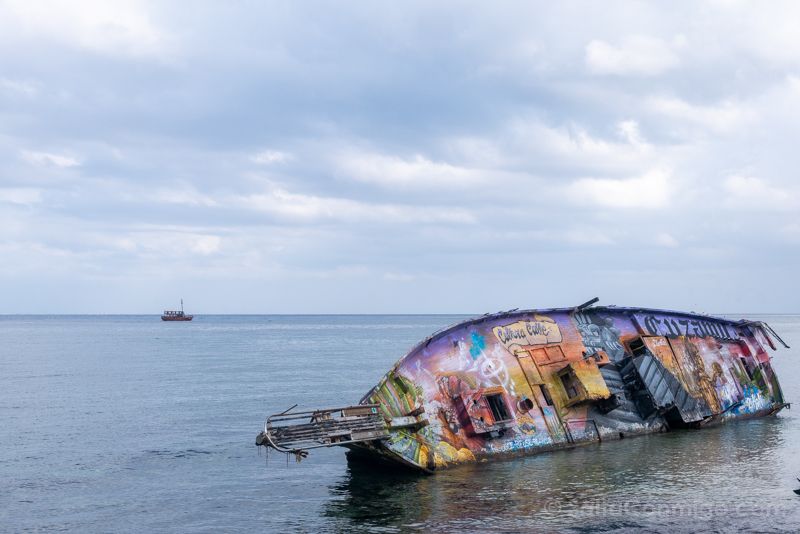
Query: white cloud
pixel 166 243
pixel 665 239
pixel 572 141
pixel 187 196
pixel 121 27
pixel 395 172
pixel 637 54
pixel 629 131
pixel 205 245
pixel 269 157
pixel 726 116
pixel 651 190
pixel 47 159
pixel 767 30
pixel 311 208
pixel 478 151
pixel 20 195
pixel 537 147
pixel 531 144
pixel 754 193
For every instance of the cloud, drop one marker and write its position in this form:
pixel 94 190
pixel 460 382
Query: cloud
pixel 725 116
pixel 652 190
pixel 20 195
pixel 573 147
pixel 122 27
pixel 395 172
pixel 298 207
pixel 269 157
pixel 757 194
pixel 185 195
pixel 665 239
pixel 167 243
pixel 47 159
pixel 767 34
pixel 629 131
pixel 636 55
pixel 273 148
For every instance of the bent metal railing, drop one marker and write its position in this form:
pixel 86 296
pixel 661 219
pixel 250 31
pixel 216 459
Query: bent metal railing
pixel 295 432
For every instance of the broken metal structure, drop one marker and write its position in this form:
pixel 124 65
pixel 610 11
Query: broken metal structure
pixel 522 382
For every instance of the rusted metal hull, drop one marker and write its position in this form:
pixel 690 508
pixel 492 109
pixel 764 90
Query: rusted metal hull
pixel 526 382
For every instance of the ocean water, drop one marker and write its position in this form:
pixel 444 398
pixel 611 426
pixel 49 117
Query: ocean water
pixel 128 424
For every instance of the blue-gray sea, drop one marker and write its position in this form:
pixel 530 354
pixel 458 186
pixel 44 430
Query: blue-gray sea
pixel 128 424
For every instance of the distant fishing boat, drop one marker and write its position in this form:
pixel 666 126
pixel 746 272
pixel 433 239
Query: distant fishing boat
pixel 176 315
pixel 523 382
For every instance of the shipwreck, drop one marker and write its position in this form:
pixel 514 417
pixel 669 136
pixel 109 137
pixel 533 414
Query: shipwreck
pixel 524 382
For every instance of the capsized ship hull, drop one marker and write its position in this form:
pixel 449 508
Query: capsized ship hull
pixel 524 382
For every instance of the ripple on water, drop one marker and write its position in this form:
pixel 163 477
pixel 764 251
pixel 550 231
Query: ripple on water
pixel 187 453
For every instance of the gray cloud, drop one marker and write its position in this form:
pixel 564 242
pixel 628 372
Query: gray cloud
pixel 357 157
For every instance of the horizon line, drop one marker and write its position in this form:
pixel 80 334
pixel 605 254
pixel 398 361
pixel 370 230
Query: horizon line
pixel 308 314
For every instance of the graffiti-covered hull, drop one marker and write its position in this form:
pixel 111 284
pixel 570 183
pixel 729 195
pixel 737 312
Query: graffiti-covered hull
pixel 530 381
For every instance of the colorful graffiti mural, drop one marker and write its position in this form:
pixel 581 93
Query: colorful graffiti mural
pixel 529 381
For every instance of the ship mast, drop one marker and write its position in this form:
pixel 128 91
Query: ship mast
pixel 181 306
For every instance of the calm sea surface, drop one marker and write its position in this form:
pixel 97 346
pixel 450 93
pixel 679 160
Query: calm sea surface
pixel 128 424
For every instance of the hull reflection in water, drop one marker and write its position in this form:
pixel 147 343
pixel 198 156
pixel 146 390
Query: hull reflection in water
pixel 523 382
pixel 684 481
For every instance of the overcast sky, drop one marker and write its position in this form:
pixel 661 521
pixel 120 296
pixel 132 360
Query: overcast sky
pixel 398 157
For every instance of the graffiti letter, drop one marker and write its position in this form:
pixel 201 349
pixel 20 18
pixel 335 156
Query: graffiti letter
pixel 651 324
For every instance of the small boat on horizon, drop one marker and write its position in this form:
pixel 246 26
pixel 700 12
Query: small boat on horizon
pixel 176 315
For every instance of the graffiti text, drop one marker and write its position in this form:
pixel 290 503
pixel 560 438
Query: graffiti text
pixel 677 326
pixel 522 333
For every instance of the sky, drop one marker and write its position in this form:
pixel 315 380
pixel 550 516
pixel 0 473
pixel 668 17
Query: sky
pixel 411 157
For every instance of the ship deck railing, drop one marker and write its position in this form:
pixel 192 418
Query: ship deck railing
pixel 302 430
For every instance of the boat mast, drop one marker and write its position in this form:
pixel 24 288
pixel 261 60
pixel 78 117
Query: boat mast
pixel 181 306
